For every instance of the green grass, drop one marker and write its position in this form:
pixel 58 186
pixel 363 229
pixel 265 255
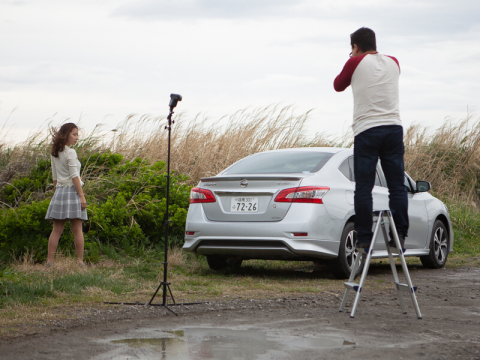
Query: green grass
pixel 466 227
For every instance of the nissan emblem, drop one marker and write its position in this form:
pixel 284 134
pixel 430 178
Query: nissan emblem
pixel 244 183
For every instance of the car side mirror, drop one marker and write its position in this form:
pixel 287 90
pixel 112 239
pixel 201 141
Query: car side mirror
pixel 423 186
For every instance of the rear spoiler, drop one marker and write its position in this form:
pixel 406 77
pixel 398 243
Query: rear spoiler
pixel 253 178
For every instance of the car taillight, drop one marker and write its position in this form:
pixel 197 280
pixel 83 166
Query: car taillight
pixel 303 194
pixel 198 195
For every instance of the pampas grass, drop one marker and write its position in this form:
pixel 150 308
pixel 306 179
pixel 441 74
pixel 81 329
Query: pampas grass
pixel 448 157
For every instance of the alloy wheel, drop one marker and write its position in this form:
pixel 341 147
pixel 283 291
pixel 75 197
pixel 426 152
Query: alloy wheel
pixel 440 243
pixel 350 252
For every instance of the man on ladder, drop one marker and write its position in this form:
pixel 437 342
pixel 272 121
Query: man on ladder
pixel 378 133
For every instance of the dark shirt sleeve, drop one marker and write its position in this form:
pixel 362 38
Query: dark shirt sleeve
pixel 343 80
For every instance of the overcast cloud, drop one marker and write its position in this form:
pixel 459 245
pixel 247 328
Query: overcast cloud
pixel 102 60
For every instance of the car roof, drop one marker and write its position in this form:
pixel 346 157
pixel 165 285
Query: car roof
pixel 333 150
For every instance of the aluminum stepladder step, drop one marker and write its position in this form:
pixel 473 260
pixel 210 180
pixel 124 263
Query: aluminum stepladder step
pixel 407 288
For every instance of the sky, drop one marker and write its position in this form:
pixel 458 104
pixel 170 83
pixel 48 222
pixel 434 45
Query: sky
pixel 99 61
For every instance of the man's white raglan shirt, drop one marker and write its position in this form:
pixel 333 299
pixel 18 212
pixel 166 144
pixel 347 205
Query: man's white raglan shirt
pixel 374 80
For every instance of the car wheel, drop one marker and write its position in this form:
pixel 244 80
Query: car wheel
pixel 216 262
pixel 439 242
pixel 347 254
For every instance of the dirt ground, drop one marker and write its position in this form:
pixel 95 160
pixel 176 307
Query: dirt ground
pixel 303 327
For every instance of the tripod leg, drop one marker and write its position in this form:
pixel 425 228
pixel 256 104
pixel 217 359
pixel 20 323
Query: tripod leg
pixel 173 312
pixel 153 297
pixel 171 295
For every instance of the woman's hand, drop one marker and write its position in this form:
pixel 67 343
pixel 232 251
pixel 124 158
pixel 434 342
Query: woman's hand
pixel 83 202
pixel 78 187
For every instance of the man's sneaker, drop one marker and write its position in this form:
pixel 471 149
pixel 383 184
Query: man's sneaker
pixel 401 237
pixel 362 246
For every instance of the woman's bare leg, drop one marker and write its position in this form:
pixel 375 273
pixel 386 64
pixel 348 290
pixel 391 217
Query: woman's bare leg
pixel 78 238
pixel 54 237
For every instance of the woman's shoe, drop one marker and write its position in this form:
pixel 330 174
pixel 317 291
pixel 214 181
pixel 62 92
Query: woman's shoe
pixel 48 265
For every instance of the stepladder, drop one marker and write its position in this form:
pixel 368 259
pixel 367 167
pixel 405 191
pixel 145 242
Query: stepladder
pixel 408 288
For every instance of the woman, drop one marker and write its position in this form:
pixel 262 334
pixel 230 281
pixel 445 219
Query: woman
pixel 68 202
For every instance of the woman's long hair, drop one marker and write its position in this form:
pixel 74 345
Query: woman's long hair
pixel 59 138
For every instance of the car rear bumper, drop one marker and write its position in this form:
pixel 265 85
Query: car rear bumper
pixel 266 240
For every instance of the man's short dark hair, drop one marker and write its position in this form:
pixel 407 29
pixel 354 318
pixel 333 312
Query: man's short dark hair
pixel 364 38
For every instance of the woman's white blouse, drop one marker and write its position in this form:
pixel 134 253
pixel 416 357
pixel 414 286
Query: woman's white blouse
pixel 66 167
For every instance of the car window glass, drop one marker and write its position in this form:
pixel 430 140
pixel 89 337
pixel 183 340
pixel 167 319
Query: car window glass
pixel 377 179
pixel 351 175
pixel 352 172
pixel 380 177
pixel 407 184
pixel 281 162
pixel 344 168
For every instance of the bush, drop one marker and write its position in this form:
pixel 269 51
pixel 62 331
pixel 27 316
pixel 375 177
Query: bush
pixel 28 188
pixel 23 229
pixel 126 208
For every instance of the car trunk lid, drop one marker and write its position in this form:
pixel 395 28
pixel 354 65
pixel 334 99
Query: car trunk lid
pixel 248 198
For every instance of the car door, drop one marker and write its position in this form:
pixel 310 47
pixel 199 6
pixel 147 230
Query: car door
pixel 417 212
pixel 418 232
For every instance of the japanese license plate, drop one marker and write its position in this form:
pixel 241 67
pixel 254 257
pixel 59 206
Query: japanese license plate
pixel 244 204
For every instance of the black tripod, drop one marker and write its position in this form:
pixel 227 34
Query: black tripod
pixel 174 99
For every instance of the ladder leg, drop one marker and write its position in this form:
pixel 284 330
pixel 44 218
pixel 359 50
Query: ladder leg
pixel 394 269
pixel 404 266
pixel 356 265
pixel 344 301
pixel 367 265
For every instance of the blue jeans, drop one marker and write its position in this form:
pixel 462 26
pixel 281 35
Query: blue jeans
pixel 386 143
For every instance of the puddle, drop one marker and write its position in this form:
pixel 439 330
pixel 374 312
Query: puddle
pixel 217 343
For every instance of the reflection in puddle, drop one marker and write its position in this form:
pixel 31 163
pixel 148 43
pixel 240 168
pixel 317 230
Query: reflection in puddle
pixel 215 343
pixel 135 343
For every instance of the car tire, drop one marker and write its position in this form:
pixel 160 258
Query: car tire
pixel 439 243
pixel 217 262
pixel 343 264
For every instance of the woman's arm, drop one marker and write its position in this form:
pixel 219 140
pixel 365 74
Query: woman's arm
pixel 54 173
pixel 78 187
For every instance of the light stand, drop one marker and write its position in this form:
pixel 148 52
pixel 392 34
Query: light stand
pixel 174 99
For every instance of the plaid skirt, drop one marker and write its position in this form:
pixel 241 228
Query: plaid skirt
pixel 66 205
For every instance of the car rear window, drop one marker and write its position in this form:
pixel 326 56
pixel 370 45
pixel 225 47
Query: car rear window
pixel 281 163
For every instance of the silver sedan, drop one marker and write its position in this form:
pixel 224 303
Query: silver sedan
pixel 297 204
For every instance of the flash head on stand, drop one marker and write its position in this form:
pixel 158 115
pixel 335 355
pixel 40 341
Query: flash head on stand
pixel 174 99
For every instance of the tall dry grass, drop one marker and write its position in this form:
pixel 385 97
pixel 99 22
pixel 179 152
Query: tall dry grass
pixel 448 157
pixel 200 151
pixel 17 160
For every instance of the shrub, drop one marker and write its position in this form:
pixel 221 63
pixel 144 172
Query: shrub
pixel 126 208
